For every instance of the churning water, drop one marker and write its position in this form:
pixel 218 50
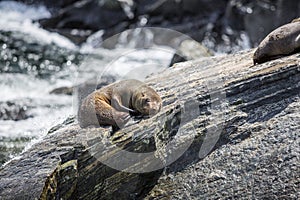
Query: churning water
pixel 34 62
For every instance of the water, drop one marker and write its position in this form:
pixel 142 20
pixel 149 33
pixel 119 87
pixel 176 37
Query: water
pixel 16 16
pixel 28 88
pixel 29 73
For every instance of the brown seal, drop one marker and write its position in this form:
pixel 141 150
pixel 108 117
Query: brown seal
pixel 282 41
pixel 113 104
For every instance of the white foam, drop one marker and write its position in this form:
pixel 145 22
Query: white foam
pixel 19 11
pixel 127 63
pixel 34 93
pixel 16 16
pixel 37 126
pixel 17 86
pixel 139 63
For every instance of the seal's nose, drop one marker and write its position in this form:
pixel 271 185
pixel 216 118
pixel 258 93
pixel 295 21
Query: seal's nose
pixel 152 111
pixel 155 109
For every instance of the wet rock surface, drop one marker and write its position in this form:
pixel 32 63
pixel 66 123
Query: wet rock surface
pixel 235 126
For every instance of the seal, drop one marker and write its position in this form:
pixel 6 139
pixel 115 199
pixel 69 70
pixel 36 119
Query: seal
pixel 114 104
pixel 284 40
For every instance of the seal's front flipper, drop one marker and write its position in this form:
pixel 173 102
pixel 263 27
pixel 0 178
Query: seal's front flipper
pixel 115 102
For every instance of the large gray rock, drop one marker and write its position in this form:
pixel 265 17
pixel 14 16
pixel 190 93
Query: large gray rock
pixel 227 129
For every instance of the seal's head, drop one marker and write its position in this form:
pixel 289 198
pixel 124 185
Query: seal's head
pixel 147 101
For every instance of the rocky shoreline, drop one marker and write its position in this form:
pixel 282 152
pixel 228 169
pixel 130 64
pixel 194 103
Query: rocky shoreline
pixel 236 125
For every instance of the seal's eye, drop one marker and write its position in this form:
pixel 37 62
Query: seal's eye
pixel 146 101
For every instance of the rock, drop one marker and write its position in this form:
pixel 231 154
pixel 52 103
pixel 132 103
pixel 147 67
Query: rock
pixel 227 129
pixel 62 90
pixel 80 19
pixel 13 111
pixel 52 5
pixel 69 120
pixel 190 50
pixel 87 14
pixel 176 10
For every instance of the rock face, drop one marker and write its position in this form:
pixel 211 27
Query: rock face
pixel 228 129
